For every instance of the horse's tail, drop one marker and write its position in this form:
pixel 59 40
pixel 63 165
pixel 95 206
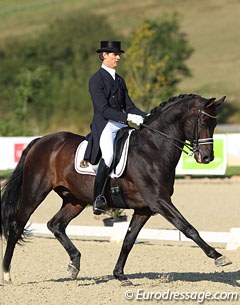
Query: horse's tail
pixel 11 194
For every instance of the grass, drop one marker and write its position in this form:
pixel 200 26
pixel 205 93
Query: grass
pixel 233 171
pixel 211 27
pixel 5 173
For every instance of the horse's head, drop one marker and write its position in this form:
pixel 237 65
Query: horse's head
pixel 187 117
pixel 202 120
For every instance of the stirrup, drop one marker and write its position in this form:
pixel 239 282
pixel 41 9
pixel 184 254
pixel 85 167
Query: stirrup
pixel 100 205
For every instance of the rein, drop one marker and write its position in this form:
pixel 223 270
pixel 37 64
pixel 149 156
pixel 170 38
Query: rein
pixel 168 138
pixel 193 147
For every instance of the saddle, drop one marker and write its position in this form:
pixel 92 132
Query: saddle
pixel 120 148
pixel 121 145
pixel 121 137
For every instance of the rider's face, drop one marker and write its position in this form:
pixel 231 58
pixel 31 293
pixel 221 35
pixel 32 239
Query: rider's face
pixel 111 60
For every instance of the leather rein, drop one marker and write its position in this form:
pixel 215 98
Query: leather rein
pixel 195 145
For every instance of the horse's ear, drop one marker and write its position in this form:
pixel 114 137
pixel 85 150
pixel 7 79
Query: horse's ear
pixel 212 102
pixel 220 101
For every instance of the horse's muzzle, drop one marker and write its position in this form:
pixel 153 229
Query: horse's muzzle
pixel 203 157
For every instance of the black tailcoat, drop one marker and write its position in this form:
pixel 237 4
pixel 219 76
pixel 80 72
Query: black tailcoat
pixel 110 102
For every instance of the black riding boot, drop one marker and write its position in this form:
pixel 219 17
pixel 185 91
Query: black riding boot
pixel 100 202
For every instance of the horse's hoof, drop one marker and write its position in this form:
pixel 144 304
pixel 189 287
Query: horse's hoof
pixel 126 282
pixel 7 278
pixel 222 261
pixel 73 271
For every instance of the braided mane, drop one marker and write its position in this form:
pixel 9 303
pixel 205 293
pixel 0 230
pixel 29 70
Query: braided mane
pixel 173 100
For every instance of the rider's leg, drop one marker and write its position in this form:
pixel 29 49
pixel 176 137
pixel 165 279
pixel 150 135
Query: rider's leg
pixel 106 145
pixel 100 203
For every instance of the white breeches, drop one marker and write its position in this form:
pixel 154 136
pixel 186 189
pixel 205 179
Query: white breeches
pixel 107 140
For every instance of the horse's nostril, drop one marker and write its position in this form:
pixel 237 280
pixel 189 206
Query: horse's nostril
pixel 206 159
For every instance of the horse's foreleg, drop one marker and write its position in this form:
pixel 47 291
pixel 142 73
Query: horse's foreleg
pixel 136 224
pixel 170 212
pixel 57 226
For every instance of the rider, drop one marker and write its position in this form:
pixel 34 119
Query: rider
pixel 113 108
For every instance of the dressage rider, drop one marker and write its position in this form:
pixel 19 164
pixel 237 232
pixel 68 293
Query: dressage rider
pixel 113 108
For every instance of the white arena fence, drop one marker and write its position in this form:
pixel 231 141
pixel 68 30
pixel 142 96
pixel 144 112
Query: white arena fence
pixel 117 232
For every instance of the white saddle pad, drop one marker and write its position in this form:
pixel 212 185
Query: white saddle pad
pixel 92 169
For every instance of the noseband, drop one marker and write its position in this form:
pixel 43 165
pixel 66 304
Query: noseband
pixel 196 143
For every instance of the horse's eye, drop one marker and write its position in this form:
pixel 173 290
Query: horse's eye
pixel 203 123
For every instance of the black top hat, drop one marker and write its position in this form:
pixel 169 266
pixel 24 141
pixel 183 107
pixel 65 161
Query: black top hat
pixel 110 46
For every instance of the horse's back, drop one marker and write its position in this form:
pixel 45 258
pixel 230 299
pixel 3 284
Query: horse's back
pixel 62 137
pixel 52 148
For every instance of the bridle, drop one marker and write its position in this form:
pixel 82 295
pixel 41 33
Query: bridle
pixel 196 143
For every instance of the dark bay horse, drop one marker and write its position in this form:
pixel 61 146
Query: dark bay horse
pixel 147 183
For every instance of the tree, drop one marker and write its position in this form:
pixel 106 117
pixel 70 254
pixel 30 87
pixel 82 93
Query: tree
pixel 156 61
pixel 45 78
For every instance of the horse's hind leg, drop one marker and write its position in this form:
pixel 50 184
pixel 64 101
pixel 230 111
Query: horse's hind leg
pixel 57 226
pixel 30 200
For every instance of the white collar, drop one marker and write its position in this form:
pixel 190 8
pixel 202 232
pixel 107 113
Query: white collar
pixel 109 70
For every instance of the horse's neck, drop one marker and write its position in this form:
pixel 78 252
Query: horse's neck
pixel 161 146
pixel 172 128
